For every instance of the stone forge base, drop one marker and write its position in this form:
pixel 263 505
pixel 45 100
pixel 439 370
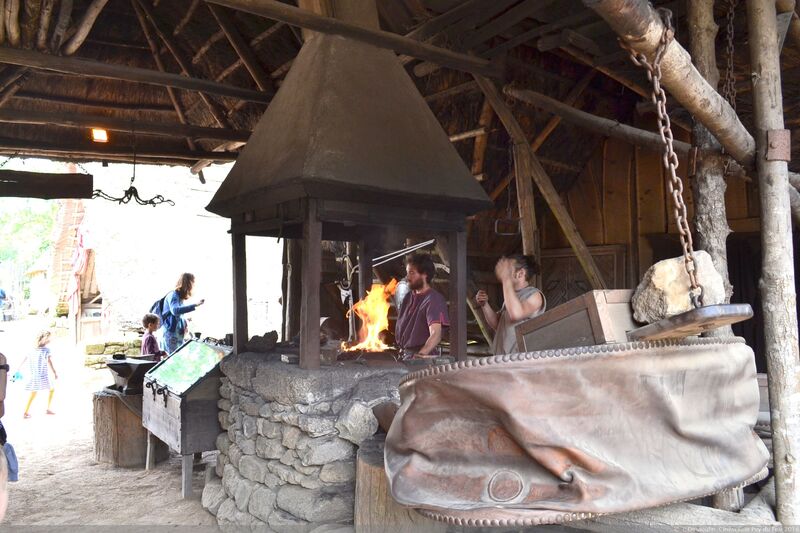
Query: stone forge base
pixel 287 455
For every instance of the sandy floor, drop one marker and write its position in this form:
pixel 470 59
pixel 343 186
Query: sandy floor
pixel 60 482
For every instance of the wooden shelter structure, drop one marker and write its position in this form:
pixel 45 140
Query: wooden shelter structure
pixel 537 97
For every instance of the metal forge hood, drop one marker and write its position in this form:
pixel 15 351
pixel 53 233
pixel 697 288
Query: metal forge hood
pixel 349 124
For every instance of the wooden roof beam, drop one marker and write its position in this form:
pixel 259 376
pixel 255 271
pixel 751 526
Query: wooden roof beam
pixel 84 27
pixel 100 152
pixel 83 121
pixel 382 39
pixel 243 50
pixel 186 18
pixel 89 68
pixel 213 107
pixel 66 100
pixel 48 186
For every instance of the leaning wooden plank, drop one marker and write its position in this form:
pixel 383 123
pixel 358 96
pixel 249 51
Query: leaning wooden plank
pixel 684 517
pixel 89 68
pixel 41 185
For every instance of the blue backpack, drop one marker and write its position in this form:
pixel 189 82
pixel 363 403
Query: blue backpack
pixel 160 309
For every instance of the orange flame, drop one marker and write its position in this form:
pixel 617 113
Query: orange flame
pixel 373 311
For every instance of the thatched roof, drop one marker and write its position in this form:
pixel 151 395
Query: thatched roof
pixel 551 62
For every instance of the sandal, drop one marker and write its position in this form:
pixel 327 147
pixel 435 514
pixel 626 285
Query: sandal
pixel 49 412
pixel 26 415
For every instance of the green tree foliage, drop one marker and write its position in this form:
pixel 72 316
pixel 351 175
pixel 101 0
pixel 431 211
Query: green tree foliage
pixel 26 228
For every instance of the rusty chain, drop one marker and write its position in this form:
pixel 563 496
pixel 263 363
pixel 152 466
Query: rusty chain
pixel 670 158
pixel 728 89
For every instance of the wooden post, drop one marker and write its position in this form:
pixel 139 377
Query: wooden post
pixel 708 185
pixel 777 283
pixel 187 464
pixel 294 287
pixel 239 248
pixel 365 255
pixel 150 457
pixel 544 184
pixel 527 211
pixel 457 248
pixel 312 276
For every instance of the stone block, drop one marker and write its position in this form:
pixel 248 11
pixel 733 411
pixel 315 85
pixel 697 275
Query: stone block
pixel 262 503
pixel 222 460
pixel 305 470
pixel 326 450
pixel 224 404
pixel 290 437
pixel 282 522
pixel 330 504
pixel 338 472
pixel 235 455
pixel 252 405
pixel 133 343
pixel 271 430
pixel 289 384
pixel 310 482
pixel 213 496
pixel 664 290
pixel 253 468
pixel 265 411
pixel 225 390
pixel 317 426
pixel 248 446
pixel 269 448
pixel 226 512
pixel 288 458
pixel 230 479
pixel 241 494
pixel 272 481
pixel 249 427
pixel 286 474
pixel 223 420
pixel 133 351
pixel 319 408
pixel 356 423
pixel 223 443
pixel 95 349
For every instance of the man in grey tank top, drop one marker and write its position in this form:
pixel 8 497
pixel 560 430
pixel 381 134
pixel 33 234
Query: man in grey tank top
pixel 521 301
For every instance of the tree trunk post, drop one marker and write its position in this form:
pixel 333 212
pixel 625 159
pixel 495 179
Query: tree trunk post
pixel 777 275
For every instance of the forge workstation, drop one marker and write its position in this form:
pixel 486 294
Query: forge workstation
pixel 366 117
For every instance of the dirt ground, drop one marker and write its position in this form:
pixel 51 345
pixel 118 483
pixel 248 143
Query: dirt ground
pixel 60 481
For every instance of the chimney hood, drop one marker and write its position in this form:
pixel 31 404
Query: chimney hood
pixel 348 126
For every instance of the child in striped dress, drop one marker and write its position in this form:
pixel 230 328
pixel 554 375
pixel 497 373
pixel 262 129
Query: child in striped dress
pixel 39 378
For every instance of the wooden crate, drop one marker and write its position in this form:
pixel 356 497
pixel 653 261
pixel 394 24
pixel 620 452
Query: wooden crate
pixel 119 437
pixel 597 317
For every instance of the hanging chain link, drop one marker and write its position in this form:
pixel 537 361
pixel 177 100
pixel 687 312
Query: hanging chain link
pixel 670 158
pixel 728 89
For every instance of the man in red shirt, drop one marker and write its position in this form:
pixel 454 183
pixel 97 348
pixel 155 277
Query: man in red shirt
pixel 423 312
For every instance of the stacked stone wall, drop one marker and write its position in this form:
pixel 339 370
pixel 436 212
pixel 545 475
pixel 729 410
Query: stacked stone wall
pixel 288 450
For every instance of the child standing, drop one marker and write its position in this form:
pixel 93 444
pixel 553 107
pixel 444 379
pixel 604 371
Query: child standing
pixel 39 377
pixel 151 323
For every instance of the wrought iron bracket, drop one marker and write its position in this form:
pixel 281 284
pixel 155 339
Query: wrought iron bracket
pixel 779 143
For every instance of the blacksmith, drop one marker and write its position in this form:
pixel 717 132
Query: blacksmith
pixel 423 313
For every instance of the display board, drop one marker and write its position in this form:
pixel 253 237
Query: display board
pixel 187 365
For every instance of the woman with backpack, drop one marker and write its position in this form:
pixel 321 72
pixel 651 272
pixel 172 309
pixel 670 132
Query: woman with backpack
pixel 173 307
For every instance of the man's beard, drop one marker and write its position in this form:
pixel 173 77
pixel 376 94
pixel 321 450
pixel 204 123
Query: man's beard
pixel 417 284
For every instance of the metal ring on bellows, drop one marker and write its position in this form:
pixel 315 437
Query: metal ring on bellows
pixel 505 486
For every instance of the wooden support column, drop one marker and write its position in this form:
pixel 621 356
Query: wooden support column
pixel 777 283
pixel 365 254
pixel 238 246
pixel 312 277
pixel 708 184
pixel 544 184
pixel 294 287
pixel 457 250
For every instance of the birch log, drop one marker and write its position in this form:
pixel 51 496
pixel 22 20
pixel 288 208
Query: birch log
pixel 11 19
pixel 44 23
pixel 639 25
pixel 777 286
pixel 62 23
pixel 84 26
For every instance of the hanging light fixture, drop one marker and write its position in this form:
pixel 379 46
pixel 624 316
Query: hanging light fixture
pixel 99 135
